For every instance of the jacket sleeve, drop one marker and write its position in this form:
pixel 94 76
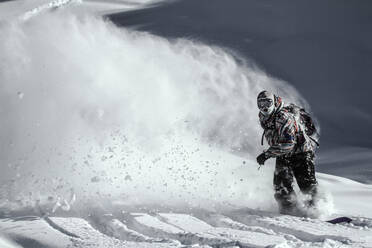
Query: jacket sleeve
pixel 285 141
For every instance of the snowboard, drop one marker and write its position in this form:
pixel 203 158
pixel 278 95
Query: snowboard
pixel 338 220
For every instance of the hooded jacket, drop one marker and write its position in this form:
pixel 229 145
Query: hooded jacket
pixel 284 134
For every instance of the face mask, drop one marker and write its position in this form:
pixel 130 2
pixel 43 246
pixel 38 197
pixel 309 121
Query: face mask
pixel 266 106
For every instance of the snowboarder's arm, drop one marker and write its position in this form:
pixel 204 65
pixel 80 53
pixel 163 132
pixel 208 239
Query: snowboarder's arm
pixel 286 139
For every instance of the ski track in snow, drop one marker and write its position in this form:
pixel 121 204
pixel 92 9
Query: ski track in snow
pixel 239 228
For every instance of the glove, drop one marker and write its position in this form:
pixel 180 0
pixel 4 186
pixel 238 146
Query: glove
pixel 262 158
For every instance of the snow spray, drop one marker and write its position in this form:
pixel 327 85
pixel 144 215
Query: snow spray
pixel 100 112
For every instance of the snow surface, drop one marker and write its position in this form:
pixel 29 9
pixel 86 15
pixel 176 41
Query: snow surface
pixel 198 228
pixel 82 141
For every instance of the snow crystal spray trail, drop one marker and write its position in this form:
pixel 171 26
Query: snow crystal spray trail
pixel 112 113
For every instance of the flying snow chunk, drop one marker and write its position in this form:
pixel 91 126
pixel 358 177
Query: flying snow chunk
pixel 95 179
pixel 20 95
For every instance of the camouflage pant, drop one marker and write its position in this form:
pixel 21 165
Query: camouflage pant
pixel 300 166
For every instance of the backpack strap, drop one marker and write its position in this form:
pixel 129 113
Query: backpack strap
pixel 316 142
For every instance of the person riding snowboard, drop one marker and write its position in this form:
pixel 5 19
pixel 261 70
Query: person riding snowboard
pixel 289 132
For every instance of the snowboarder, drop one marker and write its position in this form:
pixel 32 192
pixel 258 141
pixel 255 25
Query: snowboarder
pixel 289 132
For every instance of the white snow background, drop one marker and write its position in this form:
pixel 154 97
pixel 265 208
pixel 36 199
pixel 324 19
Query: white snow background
pixel 97 117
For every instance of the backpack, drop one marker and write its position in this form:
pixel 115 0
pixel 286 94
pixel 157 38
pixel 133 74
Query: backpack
pixel 304 119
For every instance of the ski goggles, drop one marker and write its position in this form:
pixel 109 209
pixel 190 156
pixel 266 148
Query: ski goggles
pixel 264 103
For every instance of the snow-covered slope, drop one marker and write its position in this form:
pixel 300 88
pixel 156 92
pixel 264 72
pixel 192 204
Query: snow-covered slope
pixel 349 197
pixel 124 225
pixel 240 228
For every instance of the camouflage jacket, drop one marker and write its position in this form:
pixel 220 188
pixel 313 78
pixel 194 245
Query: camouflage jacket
pixel 284 134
